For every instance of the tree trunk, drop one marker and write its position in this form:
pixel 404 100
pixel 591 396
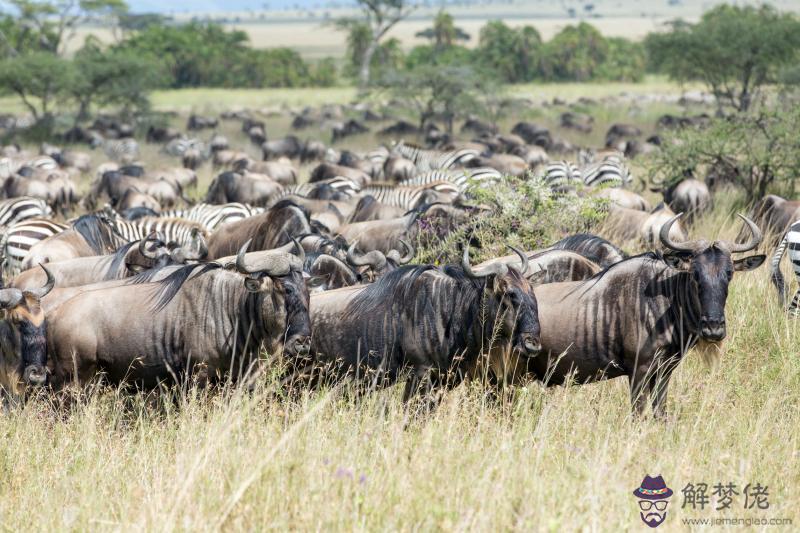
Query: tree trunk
pixel 366 63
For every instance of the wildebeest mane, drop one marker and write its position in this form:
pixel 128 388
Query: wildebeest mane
pixel 118 261
pixel 97 233
pixel 582 243
pixel 171 285
pixel 649 256
pixel 459 307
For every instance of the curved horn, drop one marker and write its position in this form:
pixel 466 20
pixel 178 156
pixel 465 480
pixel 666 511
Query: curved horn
pixel 374 259
pixel 498 268
pixel 523 258
pixel 665 240
pixel 410 252
pixel 153 237
pixel 327 264
pixel 754 241
pixel 10 298
pixel 300 251
pixel 240 266
pixel 42 291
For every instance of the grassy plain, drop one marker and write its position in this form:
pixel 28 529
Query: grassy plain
pixel 557 459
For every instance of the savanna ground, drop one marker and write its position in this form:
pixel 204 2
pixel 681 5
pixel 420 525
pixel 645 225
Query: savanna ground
pixel 558 459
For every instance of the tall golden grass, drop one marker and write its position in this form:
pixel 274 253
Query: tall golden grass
pixel 539 459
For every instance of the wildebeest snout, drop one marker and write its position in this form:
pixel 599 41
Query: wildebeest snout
pixel 299 345
pixel 712 328
pixel 35 375
pixel 529 345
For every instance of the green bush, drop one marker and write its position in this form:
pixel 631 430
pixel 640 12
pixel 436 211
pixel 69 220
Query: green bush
pixel 523 212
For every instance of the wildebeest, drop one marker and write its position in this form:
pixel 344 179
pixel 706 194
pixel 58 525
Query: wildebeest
pixel 271 229
pixel 627 224
pixel 247 188
pixel 23 354
pixel 201 321
pixel 433 321
pixel 690 196
pixel 129 260
pixel 89 235
pixel 639 317
pixel 774 214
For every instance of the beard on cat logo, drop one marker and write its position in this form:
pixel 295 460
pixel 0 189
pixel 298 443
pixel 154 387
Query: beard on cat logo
pixel 653 497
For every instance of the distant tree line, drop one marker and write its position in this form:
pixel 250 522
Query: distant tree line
pixel 733 50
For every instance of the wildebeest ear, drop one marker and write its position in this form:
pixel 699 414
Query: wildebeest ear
pixel 677 261
pixel 538 278
pixel 749 263
pixel 252 284
pixel 499 283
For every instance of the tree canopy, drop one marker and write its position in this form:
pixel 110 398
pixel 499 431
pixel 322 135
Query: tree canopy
pixel 734 50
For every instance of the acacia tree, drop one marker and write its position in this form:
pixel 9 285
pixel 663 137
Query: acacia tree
pixel 734 50
pixel 56 21
pixel 39 79
pixel 444 32
pixel 379 16
pixel 435 91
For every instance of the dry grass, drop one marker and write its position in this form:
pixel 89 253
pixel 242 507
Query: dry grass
pixel 559 459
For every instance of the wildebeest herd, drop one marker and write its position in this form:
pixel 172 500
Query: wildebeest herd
pixel 149 287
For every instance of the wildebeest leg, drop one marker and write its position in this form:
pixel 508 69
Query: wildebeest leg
pixel 659 384
pixel 640 388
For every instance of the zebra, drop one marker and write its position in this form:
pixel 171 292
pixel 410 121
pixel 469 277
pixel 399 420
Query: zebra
pixel 21 237
pixel 22 208
pixel 610 170
pixel 561 176
pixel 175 230
pixel 339 184
pixel 212 216
pixel 121 150
pixel 411 197
pixel 434 159
pixel 460 178
pixel 178 147
pixel 790 240
pixel 42 162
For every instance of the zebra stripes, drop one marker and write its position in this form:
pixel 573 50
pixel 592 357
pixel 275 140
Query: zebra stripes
pixel 791 241
pixel 21 237
pixel 212 216
pixel 339 184
pixel 178 147
pixel 410 197
pixel 611 170
pixel 561 175
pixel 175 230
pixel 426 160
pixel 121 150
pixel 460 178
pixel 18 209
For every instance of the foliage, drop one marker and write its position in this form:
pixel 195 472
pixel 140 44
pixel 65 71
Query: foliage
pixel 432 91
pixel 576 53
pixel 444 32
pixel 513 54
pixel 753 151
pixel 734 50
pixel 53 22
pixel 524 213
pixel 207 55
pixel 39 79
pixel 626 61
pixel 429 55
pixel 377 18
